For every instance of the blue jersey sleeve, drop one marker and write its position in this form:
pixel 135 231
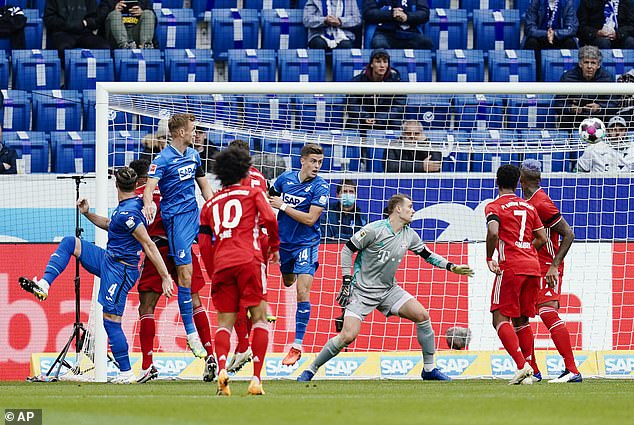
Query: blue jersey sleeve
pixel 157 167
pixel 320 194
pixel 129 222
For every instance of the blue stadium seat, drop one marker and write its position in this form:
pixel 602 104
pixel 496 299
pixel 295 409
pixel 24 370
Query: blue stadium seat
pixel 433 4
pixel 126 65
pixel 552 157
pixel 116 119
pixel 267 4
pixel 15 115
pixel 556 62
pixel 471 5
pixel 448 28
pixel 268 112
pixel 222 138
pixel 189 65
pixel 302 65
pixel 203 9
pixel 432 111
pixel 376 141
pixel 84 67
pixel 512 66
pixel 73 151
pixel 234 29
pixel 319 112
pixel 57 110
pixel 454 149
pixel 251 65
pixel 36 70
pixel 492 148
pixel 176 29
pixel 459 65
pixel 168 4
pixel 4 70
pixel 413 65
pixel 522 6
pixel 31 147
pixel 346 63
pixel 617 61
pixel 342 151
pixel 215 109
pixel 283 29
pixel 124 147
pixel 496 29
pixel 32 31
pixel 478 112
pixel 530 111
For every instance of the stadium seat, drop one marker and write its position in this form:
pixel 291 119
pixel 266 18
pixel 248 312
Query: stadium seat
pixel 496 29
pixel 168 4
pixel 73 151
pixel 346 63
pixel 189 65
pixel 176 29
pixel 555 62
pixel 447 28
pixel 283 29
pixel 455 151
pixel 492 148
pixel 56 110
pixel 117 119
pixel 434 4
pixel 432 111
pixel 16 111
pixel 471 5
pixel 31 147
pixel 36 70
pixel 217 109
pixel 376 141
pixel 222 138
pixel 251 65
pixel 32 31
pixel 459 65
pixel 617 61
pixel 342 150
pixel 126 65
pixel 83 67
pixel 268 112
pixel 530 111
pixel 124 147
pixel 234 29
pixel 522 6
pixel 413 65
pixel 553 156
pixel 267 4
pixel 512 66
pixel 319 112
pixel 203 9
pixel 302 65
pixel 4 70
pixel 478 112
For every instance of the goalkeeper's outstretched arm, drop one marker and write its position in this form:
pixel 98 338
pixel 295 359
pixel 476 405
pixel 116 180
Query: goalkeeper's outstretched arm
pixel 441 262
pixel 346 258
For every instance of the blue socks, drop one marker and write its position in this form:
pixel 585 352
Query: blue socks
pixel 118 344
pixel 186 309
pixel 301 321
pixel 59 260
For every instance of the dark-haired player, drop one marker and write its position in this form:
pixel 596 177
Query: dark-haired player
pixel 117 265
pixel 229 245
pixel 515 230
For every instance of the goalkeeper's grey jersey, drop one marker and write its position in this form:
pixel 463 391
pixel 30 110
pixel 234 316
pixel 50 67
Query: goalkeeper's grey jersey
pixel 380 253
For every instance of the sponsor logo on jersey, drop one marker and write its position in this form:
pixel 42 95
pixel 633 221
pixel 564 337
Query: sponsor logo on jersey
pixel 362 234
pixel 393 366
pixel 152 169
pixel 130 222
pixel 292 200
pixel 181 253
pixel 323 199
pixel 618 364
pixel 502 365
pixel 186 172
pixel 343 366
pixel 274 367
pixel 555 364
pixel 455 365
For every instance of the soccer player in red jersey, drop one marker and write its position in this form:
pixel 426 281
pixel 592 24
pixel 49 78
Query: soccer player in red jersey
pixel 229 234
pixel 150 290
pixel 514 228
pixel 551 259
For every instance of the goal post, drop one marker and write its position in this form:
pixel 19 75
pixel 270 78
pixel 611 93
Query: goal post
pixel 458 194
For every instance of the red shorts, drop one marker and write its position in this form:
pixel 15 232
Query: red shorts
pixel 150 280
pixel 515 295
pixel 547 294
pixel 237 287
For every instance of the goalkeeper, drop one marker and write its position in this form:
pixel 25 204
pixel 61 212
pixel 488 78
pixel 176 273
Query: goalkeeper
pixel 381 246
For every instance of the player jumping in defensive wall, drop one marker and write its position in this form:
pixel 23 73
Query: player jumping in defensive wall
pixel 380 247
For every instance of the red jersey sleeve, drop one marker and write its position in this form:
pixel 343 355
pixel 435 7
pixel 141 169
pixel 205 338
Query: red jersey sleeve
pixel 491 212
pixel 205 238
pixel 547 210
pixel 268 220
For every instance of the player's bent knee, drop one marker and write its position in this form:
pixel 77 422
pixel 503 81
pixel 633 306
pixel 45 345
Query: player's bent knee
pixel 289 279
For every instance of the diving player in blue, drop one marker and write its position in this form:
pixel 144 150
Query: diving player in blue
pixel 177 167
pixel 300 198
pixel 117 265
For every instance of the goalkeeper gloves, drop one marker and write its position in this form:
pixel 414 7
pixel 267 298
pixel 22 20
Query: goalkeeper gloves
pixel 462 269
pixel 346 290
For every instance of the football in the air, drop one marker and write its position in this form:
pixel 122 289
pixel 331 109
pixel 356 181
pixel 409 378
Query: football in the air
pixel 592 130
pixel 458 337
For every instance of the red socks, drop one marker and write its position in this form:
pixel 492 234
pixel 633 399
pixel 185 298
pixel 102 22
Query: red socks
pixel 560 336
pixel 147 330
pixel 223 344
pixel 202 326
pixel 527 345
pixel 509 339
pixel 242 331
pixel 259 346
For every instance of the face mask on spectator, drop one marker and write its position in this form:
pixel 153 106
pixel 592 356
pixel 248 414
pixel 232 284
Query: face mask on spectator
pixel 348 199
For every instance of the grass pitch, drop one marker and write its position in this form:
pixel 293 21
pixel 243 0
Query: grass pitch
pixel 327 402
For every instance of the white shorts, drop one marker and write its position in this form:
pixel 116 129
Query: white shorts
pixel 388 303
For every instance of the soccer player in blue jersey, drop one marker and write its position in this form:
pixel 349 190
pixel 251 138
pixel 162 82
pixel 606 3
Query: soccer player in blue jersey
pixel 117 265
pixel 300 198
pixel 177 167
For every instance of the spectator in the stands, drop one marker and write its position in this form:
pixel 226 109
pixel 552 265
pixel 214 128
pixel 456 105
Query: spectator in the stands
pixel 398 23
pixel 331 23
pixel 607 24
pixel 551 24
pixel 12 23
pixel 344 217
pixel 205 148
pixel 615 153
pixel 70 24
pixel 154 143
pixel 572 109
pixel 128 24
pixel 376 112
pixel 624 106
pixel 412 152
pixel 8 157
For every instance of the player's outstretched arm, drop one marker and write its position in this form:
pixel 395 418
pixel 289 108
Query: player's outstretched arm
pixel 205 187
pixel 97 220
pixel 152 252
pixel 149 209
pixel 493 228
pixel 441 262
